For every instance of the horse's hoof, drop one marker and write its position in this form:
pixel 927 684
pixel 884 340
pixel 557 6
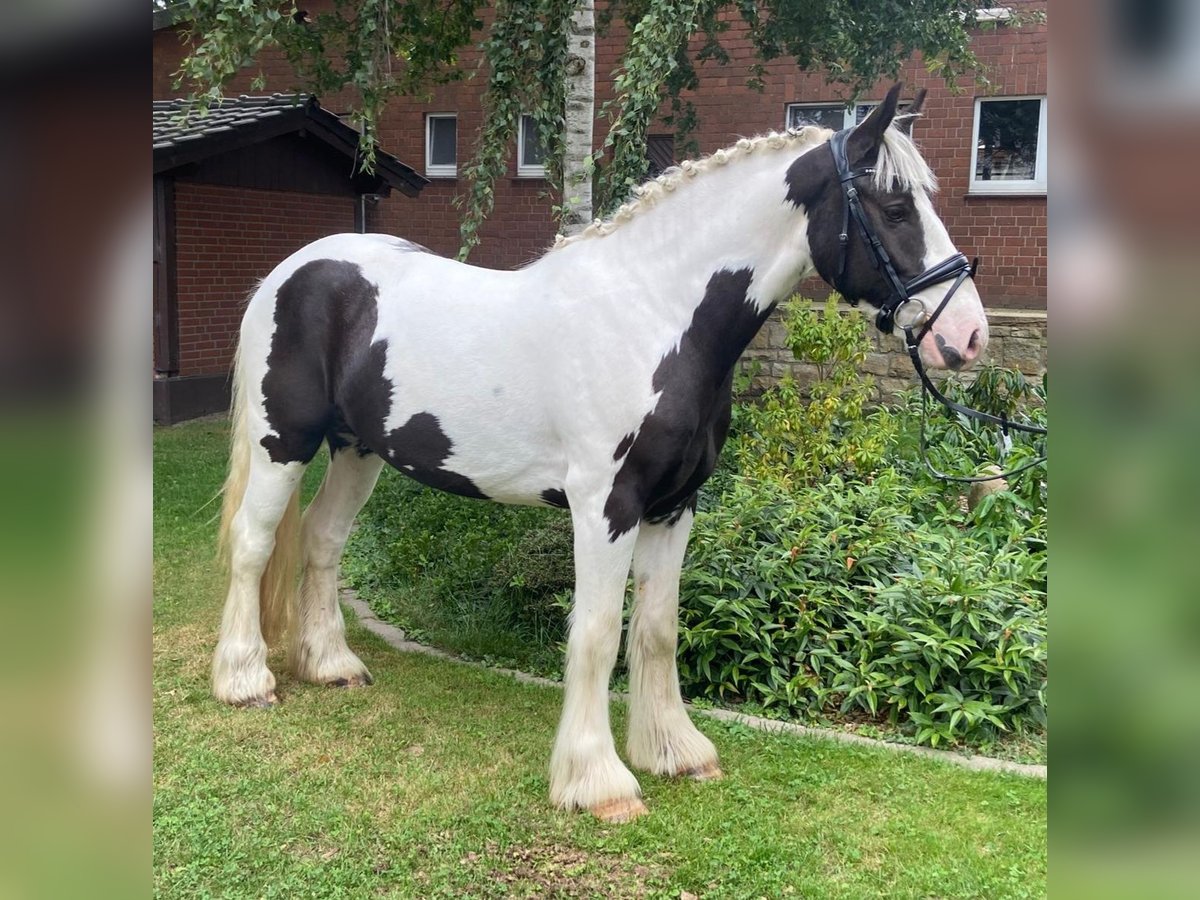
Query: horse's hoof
pixel 708 772
pixel 354 681
pixel 619 812
pixel 264 702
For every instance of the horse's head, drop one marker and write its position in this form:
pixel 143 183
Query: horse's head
pixel 883 173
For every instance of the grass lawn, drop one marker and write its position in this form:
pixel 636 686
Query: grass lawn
pixel 433 782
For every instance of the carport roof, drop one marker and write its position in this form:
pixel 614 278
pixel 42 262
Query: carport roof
pixel 182 137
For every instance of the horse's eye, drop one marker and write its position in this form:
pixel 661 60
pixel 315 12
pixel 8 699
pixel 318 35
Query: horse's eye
pixel 896 213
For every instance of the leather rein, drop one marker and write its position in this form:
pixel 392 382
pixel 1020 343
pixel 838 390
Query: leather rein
pixel 902 293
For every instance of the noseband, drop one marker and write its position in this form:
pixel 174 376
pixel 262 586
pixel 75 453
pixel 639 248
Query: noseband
pixel 901 293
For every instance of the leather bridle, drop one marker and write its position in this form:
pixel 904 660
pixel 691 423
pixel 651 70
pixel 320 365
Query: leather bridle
pixel 901 293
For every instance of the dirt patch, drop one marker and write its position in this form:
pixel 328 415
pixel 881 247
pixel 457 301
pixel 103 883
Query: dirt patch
pixel 560 872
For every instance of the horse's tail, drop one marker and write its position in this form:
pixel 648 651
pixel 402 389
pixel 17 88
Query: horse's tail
pixel 277 590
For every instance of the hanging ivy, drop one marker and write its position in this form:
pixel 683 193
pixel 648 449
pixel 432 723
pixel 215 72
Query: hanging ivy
pixel 381 49
pixel 525 56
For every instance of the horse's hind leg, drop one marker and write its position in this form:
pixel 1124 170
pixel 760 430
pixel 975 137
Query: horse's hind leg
pixel 662 739
pixel 318 651
pixel 239 674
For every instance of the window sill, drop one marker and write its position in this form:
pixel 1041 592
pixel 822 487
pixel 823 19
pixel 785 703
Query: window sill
pixel 444 176
pixel 1023 194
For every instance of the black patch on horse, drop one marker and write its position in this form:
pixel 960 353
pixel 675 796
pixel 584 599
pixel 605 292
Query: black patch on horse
pixel 325 380
pixel 674 516
pixel 623 447
pixel 555 497
pixel 676 447
pixel 812 183
pixel 324 318
pixel 419 447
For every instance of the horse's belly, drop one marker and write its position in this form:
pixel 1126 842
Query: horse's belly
pixel 478 453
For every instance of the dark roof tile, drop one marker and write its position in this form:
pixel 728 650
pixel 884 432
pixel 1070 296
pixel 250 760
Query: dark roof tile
pixel 180 131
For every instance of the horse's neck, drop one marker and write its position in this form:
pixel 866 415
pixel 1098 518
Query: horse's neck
pixel 733 218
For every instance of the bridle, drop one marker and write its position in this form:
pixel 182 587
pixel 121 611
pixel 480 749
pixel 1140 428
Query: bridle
pixel 901 293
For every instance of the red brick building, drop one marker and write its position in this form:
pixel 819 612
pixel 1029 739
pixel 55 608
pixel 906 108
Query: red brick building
pixel 987 147
pixel 235 193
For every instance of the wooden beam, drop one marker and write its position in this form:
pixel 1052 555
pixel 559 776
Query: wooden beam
pixel 166 295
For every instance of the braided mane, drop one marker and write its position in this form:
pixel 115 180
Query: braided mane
pixel 900 167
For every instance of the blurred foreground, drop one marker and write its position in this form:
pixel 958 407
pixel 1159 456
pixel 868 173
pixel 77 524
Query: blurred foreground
pixel 1125 620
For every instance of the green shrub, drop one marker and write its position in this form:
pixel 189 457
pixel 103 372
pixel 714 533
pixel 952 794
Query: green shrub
pixel 832 575
pixel 478 578
pixel 959 445
pixel 835 600
pixel 796 439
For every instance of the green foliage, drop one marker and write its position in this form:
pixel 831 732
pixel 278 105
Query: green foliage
pixel 482 579
pixel 657 40
pixel 797 440
pixel 859 43
pixel 835 600
pixel 525 55
pixel 378 48
pixel 951 437
pixel 832 575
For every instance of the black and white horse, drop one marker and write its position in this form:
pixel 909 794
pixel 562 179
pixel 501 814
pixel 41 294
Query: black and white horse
pixel 597 378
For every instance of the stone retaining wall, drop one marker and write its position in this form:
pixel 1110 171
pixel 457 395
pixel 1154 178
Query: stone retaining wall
pixel 1018 340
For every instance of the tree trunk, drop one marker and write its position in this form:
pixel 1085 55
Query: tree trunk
pixel 579 115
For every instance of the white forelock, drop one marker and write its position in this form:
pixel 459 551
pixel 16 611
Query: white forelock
pixel 900 166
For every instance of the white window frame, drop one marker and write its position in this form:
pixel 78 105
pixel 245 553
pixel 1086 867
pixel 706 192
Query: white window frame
pixel 441 170
pixel 524 171
pixel 1035 185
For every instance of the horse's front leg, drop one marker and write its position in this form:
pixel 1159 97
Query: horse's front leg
pixel 585 772
pixel 662 738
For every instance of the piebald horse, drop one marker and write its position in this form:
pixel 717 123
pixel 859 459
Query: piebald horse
pixel 596 379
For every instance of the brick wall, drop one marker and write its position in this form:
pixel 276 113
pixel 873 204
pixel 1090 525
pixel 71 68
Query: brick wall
pixel 228 239
pixel 1009 233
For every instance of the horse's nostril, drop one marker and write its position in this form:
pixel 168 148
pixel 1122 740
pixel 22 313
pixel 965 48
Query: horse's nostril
pixel 973 345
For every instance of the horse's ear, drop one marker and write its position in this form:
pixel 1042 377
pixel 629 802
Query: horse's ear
pixel 909 116
pixel 863 145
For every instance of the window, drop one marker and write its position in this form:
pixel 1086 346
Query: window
pixel 827 115
pixel 660 153
pixel 1008 153
pixel 441 145
pixel 830 115
pixel 531 157
pixel 993 13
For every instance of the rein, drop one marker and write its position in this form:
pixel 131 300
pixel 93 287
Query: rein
pixel 901 294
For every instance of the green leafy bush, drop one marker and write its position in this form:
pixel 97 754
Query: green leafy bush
pixel 830 575
pixel 834 600
pixel 478 578
pixel 796 439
